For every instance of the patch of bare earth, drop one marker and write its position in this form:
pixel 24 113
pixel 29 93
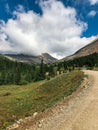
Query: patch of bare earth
pixel 76 112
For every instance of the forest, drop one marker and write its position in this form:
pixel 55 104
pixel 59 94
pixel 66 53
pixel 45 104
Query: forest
pixel 21 73
pixel 89 62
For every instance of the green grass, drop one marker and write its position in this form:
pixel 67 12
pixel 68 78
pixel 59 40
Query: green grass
pixel 21 101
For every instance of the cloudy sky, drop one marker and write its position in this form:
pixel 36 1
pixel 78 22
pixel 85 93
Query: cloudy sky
pixel 58 27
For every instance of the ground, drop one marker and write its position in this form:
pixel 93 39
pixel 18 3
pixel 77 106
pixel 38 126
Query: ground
pixel 76 112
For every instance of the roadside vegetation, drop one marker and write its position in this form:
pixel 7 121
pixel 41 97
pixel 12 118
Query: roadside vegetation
pixel 21 101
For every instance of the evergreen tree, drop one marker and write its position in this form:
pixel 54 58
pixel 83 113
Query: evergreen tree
pixel 42 70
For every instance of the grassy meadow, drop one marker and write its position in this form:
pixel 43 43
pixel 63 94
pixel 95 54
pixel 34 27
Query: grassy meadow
pixel 21 101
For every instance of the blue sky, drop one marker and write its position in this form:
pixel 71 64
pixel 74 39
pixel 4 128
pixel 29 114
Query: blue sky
pixel 57 27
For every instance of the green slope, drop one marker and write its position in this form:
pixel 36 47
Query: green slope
pixel 20 101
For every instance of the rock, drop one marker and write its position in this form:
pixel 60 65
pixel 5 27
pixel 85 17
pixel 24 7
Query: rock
pixel 19 121
pixel 40 125
pixel 14 126
pixel 35 114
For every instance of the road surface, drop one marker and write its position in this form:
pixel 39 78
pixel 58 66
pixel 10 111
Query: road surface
pixel 86 115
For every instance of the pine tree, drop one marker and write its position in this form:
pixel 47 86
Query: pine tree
pixel 42 70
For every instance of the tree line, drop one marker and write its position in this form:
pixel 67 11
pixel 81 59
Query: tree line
pixel 89 62
pixel 21 73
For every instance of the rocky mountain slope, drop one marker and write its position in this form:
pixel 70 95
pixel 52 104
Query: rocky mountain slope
pixel 87 50
pixel 31 59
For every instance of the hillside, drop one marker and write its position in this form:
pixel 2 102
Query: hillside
pixel 87 50
pixel 22 101
pixel 31 59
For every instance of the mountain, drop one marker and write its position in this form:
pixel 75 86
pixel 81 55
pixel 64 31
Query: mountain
pixel 85 51
pixel 31 59
pixel 48 58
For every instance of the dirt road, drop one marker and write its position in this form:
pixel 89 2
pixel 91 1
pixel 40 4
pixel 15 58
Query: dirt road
pixel 79 112
pixel 86 115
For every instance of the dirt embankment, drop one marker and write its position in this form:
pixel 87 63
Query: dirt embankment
pixel 77 112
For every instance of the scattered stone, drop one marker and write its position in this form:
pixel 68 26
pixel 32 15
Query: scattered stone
pixel 14 126
pixel 19 121
pixel 35 114
pixel 40 125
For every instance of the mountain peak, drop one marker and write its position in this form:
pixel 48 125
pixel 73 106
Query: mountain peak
pixel 48 58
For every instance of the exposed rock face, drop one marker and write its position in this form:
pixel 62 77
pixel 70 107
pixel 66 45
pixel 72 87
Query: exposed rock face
pixel 31 59
pixel 87 50
pixel 48 58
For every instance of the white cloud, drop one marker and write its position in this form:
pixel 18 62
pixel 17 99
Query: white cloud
pixel 93 2
pixel 57 31
pixel 92 13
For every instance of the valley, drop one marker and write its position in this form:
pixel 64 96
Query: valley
pixel 48 64
pixel 27 88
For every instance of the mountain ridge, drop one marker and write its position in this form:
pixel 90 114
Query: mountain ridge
pixel 47 58
pixel 84 51
pixel 31 59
